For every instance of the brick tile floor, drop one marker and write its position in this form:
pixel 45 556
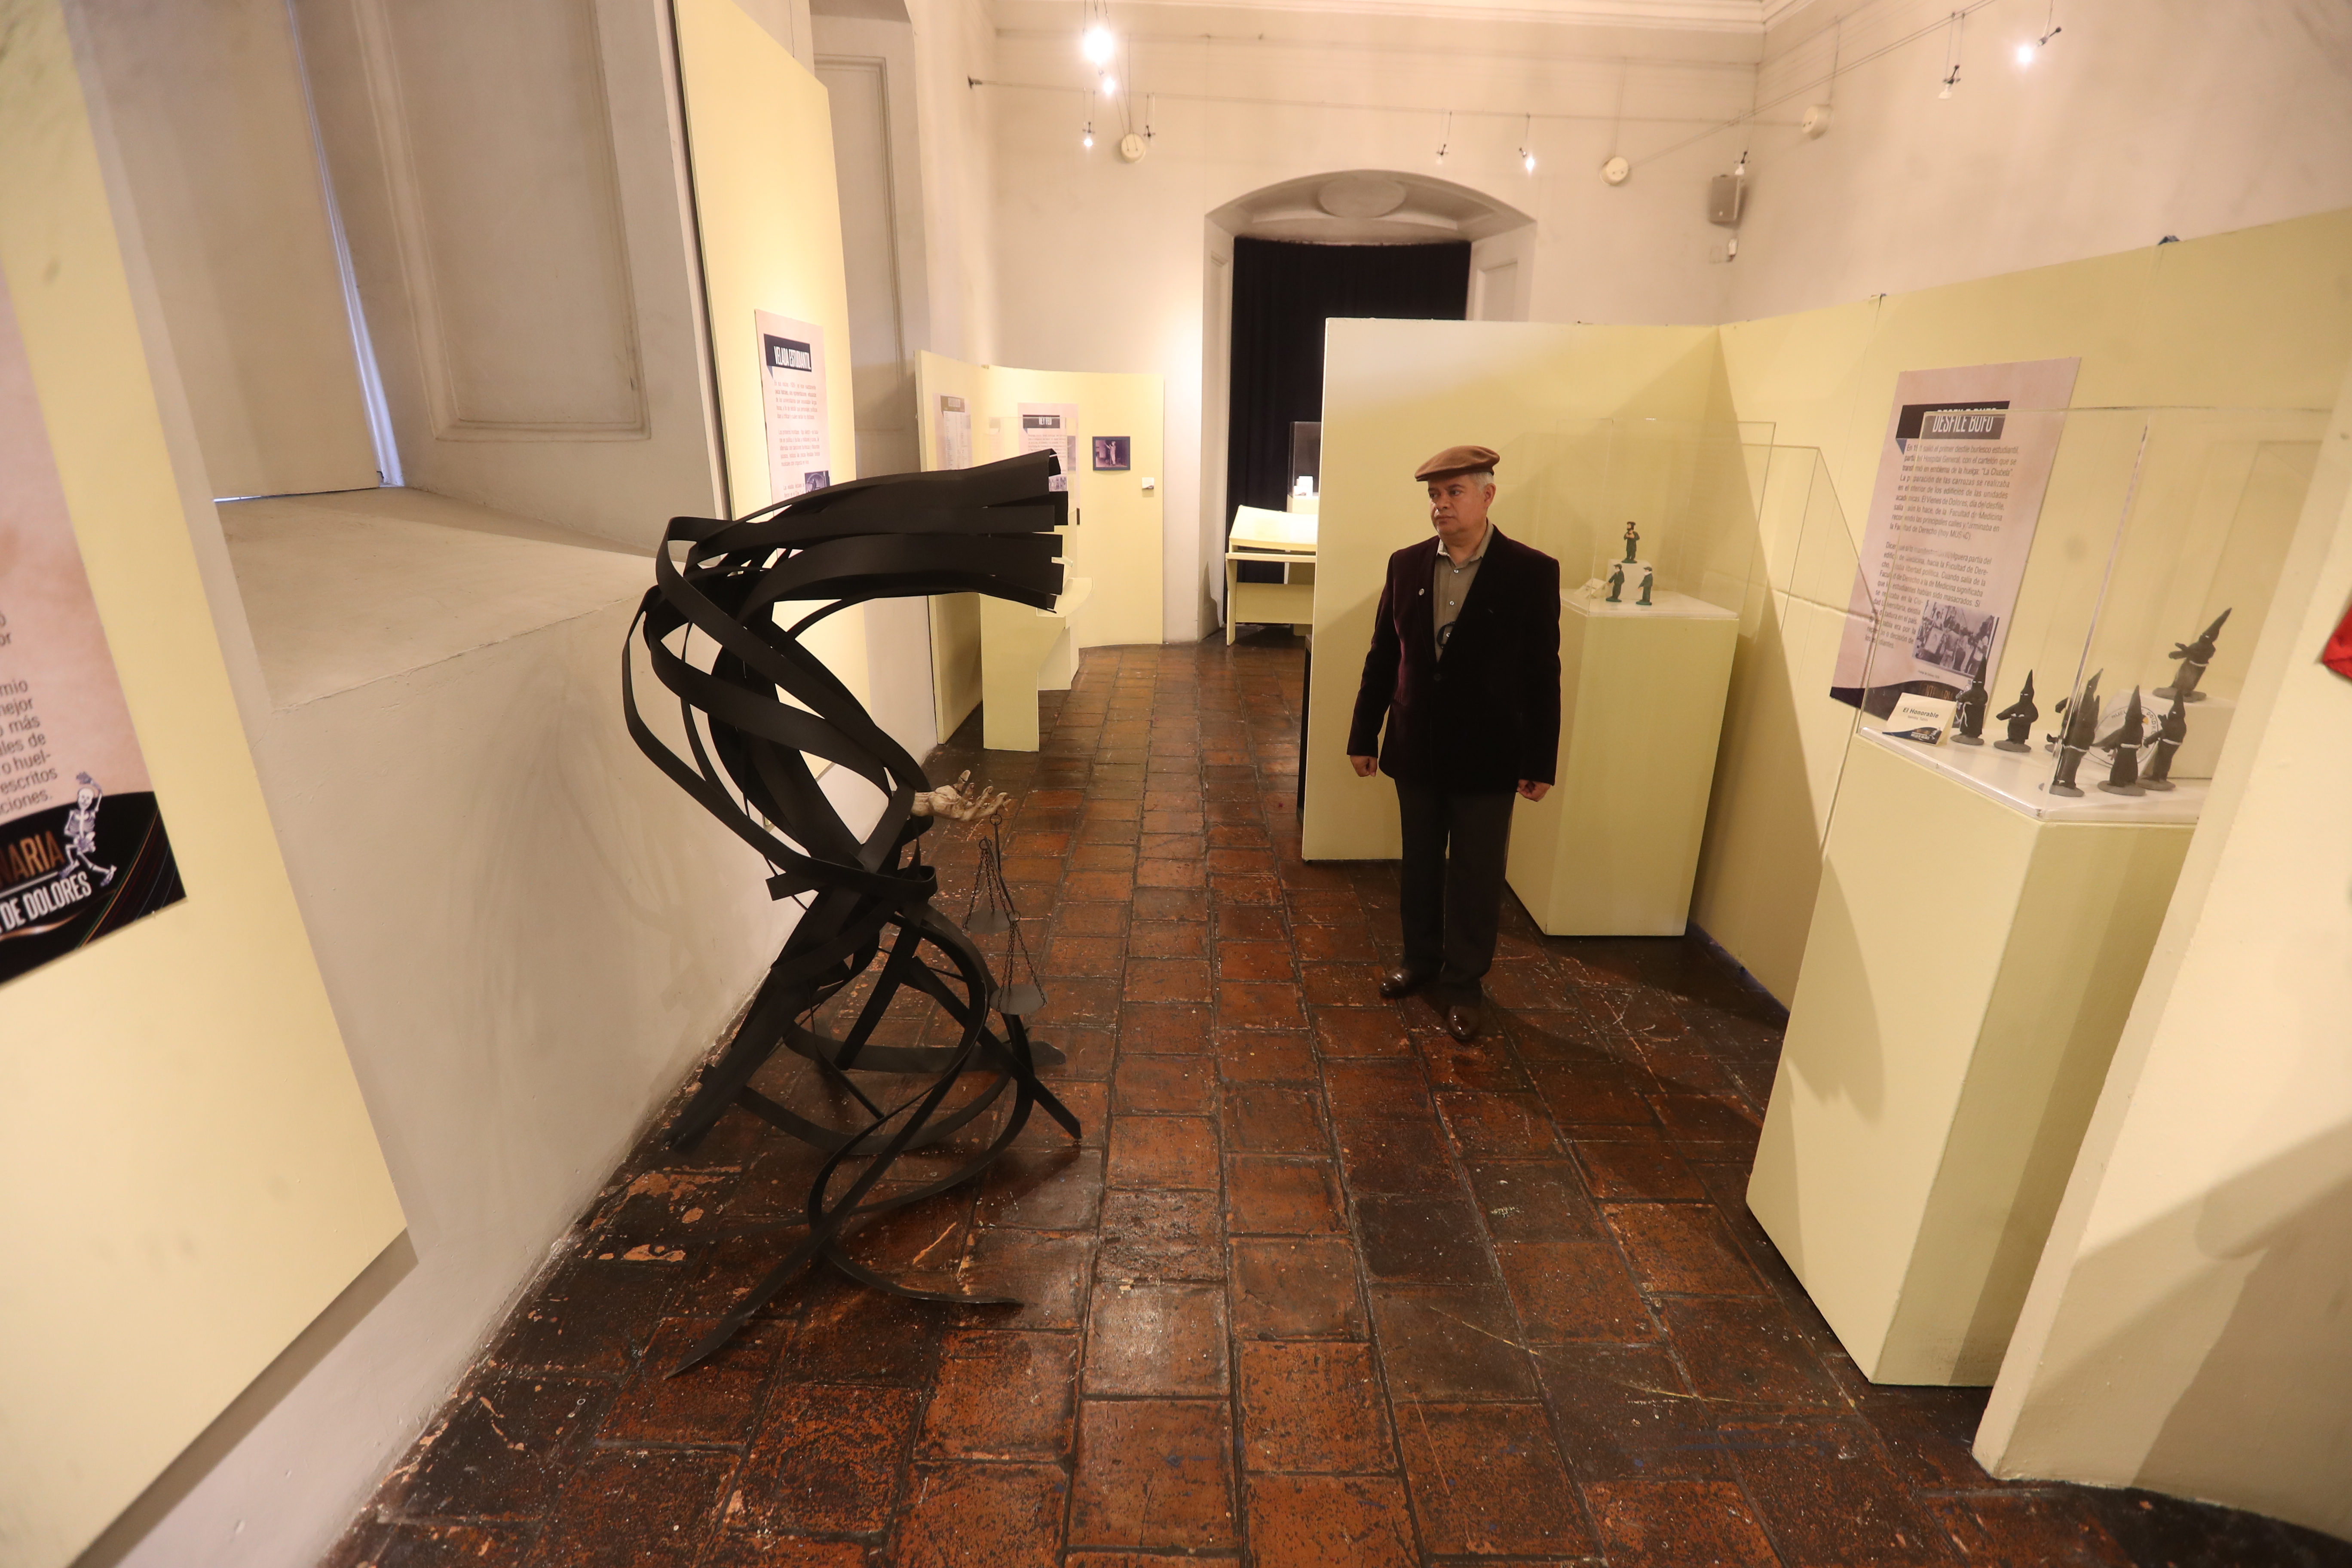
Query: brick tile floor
pixel 1318 1286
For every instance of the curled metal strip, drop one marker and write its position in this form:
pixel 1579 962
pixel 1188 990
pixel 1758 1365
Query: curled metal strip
pixel 754 706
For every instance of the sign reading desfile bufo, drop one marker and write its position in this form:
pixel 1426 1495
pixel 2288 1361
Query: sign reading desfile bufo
pixel 82 849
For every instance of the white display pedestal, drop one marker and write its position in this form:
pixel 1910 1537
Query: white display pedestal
pixel 1612 850
pixel 1023 651
pixel 1974 952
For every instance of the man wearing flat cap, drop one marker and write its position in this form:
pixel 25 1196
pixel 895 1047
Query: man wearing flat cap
pixel 1465 672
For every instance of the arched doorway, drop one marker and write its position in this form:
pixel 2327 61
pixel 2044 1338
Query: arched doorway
pixel 1357 206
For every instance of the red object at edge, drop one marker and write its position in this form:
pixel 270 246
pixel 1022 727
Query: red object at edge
pixel 2337 655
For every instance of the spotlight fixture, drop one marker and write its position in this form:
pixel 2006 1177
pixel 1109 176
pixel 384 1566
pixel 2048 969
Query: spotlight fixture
pixel 1109 85
pixel 1088 140
pixel 1527 146
pixel 1097 44
pixel 1445 139
pixel 1952 53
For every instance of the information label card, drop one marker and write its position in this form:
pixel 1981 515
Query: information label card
pixel 82 849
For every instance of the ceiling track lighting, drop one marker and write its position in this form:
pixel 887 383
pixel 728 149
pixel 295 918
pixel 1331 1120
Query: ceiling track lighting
pixel 1445 139
pixel 1952 53
pixel 2050 29
pixel 1527 146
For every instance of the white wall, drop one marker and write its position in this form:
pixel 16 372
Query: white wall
pixel 1100 263
pixel 2141 119
pixel 2187 1328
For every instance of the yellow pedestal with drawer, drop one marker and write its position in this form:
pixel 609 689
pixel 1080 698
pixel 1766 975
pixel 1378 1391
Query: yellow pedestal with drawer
pixel 1612 850
pixel 1970 967
pixel 1023 651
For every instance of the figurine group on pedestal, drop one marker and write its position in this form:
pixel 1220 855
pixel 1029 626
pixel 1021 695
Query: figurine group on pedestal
pixel 2131 736
pixel 1619 571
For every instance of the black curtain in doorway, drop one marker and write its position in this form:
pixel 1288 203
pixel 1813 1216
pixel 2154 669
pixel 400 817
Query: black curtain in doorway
pixel 1283 293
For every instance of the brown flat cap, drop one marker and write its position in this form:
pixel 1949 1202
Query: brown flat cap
pixel 1459 460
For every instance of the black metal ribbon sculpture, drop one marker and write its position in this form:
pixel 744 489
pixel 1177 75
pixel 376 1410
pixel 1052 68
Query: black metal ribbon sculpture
pixel 986 530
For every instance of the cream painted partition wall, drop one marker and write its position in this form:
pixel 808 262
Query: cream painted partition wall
pixel 2259 319
pixel 2186 1328
pixel 182 1147
pixel 761 148
pixel 1115 541
pixel 1394 392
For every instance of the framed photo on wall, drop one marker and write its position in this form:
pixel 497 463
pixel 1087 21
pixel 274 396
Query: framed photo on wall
pixel 1111 454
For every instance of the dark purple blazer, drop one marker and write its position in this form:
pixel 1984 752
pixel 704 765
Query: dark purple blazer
pixel 1485 716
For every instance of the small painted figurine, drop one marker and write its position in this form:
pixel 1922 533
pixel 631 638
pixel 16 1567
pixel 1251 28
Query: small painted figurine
pixel 1972 714
pixel 2019 716
pixel 1616 585
pixel 2123 774
pixel 2171 730
pixel 1648 576
pixel 2193 657
pixel 1633 538
pixel 2081 727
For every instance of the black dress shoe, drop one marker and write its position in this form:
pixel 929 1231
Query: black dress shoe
pixel 1463 1019
pixel 1400 982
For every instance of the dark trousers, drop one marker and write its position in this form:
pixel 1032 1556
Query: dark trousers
pixel 1455 842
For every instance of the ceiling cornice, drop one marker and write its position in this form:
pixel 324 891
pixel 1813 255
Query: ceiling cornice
pixel 1748 16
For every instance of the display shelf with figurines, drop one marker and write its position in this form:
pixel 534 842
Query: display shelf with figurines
pixel 2160 542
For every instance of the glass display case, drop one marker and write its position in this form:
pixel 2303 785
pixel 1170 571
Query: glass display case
pixel 2159 543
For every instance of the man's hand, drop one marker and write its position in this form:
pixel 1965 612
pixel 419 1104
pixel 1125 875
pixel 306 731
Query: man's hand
pixel 1364 766
pixel 1532 790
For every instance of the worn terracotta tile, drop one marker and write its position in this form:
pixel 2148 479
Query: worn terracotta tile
pixel 635 1507
pixel 715 1402
pixel 1534 1200
pixel 1497 1126
pixel 1325 906
pixel 1747 1352
pixel 502 1451
pixel 1003 1397
pixel 1488 1479
pixel 1397 1154
pixel 1623 1413
pixel 827 1457
pixel 1153 1473
pixel 1157 1339
pixel 1275 1118
pixel 1644 1169
pixel 1174 846
pixel 1297 1288
pixel 1682 1247
pixel 1160 1234
pixel 1708 1119
pixel 1330 1522
pixel 1366 1031
pixel 429 1543
pixel 1431 1241
pixel 1350 944
pixel 1082 955
pixel 1574 1290
pixel 1265 1056
pixel 1310 1405
pixel 1050 1189
pixel 745 1547
pixel 1089 920
pixel 1168 939
pixel 1272 1197
pixel 1259 1005
pixel 1827 1496
pixel 1167 980
pixel 1268 961
pixel 2026 1530
pixel 1450 1342
pixel 981 1516
pixel 1046 1274
pixel 1164 1028
pixel 1148 1086
pixel 1481 1067
pixel 1388 1088
pixel 591 1317
pixel 1677 1524
pixel 1163 1152
pixel 1250 922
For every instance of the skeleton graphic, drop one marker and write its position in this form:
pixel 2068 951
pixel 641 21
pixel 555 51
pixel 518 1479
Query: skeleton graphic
pixel 81 830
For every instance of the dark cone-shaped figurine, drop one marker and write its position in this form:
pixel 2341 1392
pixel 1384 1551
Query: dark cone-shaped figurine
pixel 2171 730
pixel 1972 714
pixel 2019 716
pixel 2074 741
pixel 2193 657
pixel 2123 774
